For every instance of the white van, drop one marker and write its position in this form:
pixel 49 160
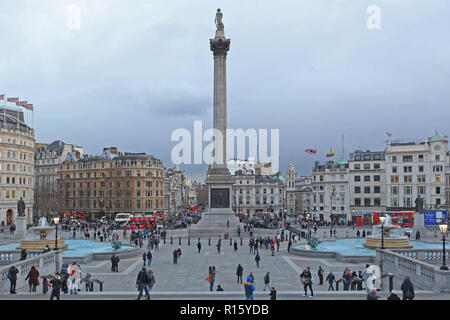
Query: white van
pixel 122 218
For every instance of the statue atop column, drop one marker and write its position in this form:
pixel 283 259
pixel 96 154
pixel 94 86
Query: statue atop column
pixel 21 208
pixel 218 20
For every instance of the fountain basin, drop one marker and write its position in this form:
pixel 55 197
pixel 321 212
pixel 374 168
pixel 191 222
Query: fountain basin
pixel 389 243
pixel 41 244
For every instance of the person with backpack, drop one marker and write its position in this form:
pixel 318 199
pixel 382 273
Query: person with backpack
pixel 56 284
pixel 306 279
pixel 142 282
pixel 407 289
pixel 266 281
pixel 239 272
pixel 12 277
pixel 249 288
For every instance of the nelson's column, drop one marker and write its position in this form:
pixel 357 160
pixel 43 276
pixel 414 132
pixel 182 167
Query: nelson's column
pixel 219 180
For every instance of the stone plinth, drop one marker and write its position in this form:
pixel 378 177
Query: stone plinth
pixel 21 228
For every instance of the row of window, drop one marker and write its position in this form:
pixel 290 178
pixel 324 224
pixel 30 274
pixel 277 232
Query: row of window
pixel 119 192
pixel 16 180
pixel 410 158
pixel 272 191
pixel 367 189
pixel 366 166
pixel 86 204
pixel 409 190
pixel 367 178
pixel 21 168
pixel 409 178
pixel 148 184
pixel 20 142
pixel 408 202
pixel 12 194
pixel 368 202
pixel 18 155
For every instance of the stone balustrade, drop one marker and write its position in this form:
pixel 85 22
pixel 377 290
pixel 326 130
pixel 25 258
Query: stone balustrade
pixel 417 265
pixel 46 263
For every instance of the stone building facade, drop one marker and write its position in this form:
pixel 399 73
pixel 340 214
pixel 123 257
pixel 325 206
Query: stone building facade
pixel 16 165
pixel 112 182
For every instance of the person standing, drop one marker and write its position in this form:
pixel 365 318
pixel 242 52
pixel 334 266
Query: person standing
pixel 273 294
pixel 74 278
pixel 149 258
pixel 175 256
pixel 306 279
pixel 56 284
pixel 266 281
pixel 289 245
pixel 179 254
pixel 235 245
pixel 212 278
pixel 115 263
pixel 249 288
pixel 330 279
pixel 199 246
pixel 142 283
pixel 239 272
pixel 257 259
pixel 33 278
pixel 219 243
pixel 407 289
pixel 12 276
pixel 151 281
pixel 320 274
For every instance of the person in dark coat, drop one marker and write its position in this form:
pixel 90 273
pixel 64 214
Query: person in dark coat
pixel 394 295
pixel 320 274
pixel 306 279
pixel 273 294
pixel 407 289
pixel 12 276
pixel 142 282
pixel 56 284
pixel 33 278
pixel 417 235
pixel 257 259
pixel 115 263
pixel 239 272
pixel 199 246
pixel 330 279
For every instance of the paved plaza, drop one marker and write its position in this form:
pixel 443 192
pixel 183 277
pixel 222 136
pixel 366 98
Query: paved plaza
pixel 187 279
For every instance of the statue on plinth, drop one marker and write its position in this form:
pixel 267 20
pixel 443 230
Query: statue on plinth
pixel 21 208
pixel 218 20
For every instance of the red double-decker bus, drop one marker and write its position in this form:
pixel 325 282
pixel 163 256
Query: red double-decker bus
pixel 141 222
pixel 399 218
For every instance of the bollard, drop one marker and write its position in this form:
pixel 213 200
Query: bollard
pixel 241 241
pixel 179 240
pixel 209 241
pixel 101 286
pixel 171 240
pixel 230 241
pixel 391 283
pixel 189 241
pixel 337 286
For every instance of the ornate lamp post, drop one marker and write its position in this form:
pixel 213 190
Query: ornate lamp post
pixel 56 221
pixel 382 232
pixel 443 228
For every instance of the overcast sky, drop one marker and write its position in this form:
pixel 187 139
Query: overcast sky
pixel 138 69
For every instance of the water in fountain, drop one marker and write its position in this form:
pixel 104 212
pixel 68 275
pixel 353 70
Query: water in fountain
pixel 42 227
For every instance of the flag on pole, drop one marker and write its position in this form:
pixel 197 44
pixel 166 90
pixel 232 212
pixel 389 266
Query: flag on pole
pixel 311 151
pixel 389 134
pixel 13 99
pixel 21 103
pixel 29 107
pixel 330 154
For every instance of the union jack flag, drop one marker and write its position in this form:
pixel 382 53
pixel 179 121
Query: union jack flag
pixel 311 151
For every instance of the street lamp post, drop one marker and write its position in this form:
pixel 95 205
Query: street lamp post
pixel 382 232
pixel 56 221
pixel 443 227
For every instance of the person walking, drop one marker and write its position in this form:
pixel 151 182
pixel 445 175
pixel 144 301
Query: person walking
pixel 239 272
pixel 320 274
pixel 12 277
pixel 142 282
pixel 115 263
pixel 151 281
pixel 330 279
pixel 266 281
pixel 249 288
pixel 149 258
pixel 306 279
pixel 144 257
pixel 219 243
pixel 289 245
pixel 257 259
pixel 33 278
pixel 235 245
pixel 199 246
pixel 56 284
pixel 273 294
pixel 407 289
pixel 211 278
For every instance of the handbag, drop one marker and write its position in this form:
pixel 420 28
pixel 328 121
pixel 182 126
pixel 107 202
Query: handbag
pixel 208 279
